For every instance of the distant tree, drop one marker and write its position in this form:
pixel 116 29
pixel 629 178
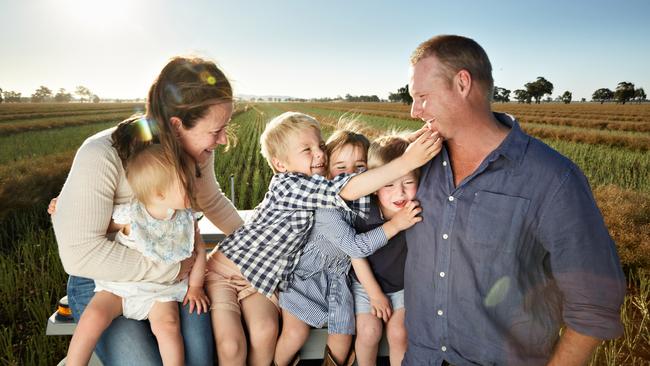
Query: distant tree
pixel 538 88
pixel 394 97
pixel 624 92
pixel 501 95
pixel 566 97
pixel 83 93
pixel 639 95
pixel 62 96
pixel 95 98
pixel 522 96
pixel 404 94
pixel 582 100
pixel 41 94
pixel 11 96
pixel 1 100
pixel 602 95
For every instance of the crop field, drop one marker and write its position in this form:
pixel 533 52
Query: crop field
pixel 609 143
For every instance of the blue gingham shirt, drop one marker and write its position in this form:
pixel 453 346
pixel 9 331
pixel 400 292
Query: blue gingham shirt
pixel 501 261
pixel 268 246
pixel 319 290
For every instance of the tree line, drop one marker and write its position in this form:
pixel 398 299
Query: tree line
pixel 45 94
pixel 538 89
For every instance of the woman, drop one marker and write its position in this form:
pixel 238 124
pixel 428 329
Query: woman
pixel 188 109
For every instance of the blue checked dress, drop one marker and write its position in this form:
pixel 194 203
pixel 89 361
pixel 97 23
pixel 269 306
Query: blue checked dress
pixel 319 289
pixel 267 247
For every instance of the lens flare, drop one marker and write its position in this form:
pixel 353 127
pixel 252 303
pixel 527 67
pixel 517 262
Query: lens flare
pixel 498 292
pixel 143 130
pixel 208 78
pixel 173 90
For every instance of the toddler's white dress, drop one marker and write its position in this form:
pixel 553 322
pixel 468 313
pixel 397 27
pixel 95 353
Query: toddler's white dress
pixel 166 241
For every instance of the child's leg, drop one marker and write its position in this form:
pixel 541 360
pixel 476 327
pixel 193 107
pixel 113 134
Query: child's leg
pixel 229 337
pixel 261 317
pixel 339 345
pixel 100 312
pixel 166 326
pixel 294 334
pixel 397 337
pixel 369 331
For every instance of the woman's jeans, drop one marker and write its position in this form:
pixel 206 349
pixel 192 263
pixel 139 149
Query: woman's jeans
pixel 131 342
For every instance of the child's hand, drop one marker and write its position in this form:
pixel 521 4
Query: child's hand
pixel 407 216
pixel 380 307
pixel 425 147
pixel 51 208
pixel 414 135
pixel 196 297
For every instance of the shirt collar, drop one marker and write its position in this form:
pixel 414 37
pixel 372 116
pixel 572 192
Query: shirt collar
pixel 513 147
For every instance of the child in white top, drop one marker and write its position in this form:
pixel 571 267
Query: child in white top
pixel 159 224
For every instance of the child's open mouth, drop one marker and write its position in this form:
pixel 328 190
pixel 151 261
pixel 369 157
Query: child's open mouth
pixel 400 204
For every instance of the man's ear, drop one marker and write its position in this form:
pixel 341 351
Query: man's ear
pixel 463 82
pixel 278 165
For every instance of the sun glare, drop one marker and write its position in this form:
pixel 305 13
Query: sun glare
pixel 96 15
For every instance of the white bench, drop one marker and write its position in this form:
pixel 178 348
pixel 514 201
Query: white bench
pixel 313 348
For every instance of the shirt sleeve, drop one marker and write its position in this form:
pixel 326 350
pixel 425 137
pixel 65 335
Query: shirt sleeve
pixel 583 259
pixel 357 245
pixel 301 192
pixel 214 204
pixel 83 213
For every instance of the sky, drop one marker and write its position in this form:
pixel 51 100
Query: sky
pixel 308 49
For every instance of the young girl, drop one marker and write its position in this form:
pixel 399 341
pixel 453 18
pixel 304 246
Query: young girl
pixel 378 281
pixel 319 292
pixel 159 224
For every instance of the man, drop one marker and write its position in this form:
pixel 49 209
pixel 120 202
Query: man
pixel 512 246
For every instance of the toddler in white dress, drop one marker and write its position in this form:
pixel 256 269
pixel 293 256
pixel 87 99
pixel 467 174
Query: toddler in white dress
pixel 159 224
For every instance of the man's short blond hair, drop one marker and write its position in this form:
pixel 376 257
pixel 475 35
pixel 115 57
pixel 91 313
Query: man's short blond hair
pixel 457 53
pixel 150 171
pixel 385 149
pixel 275 138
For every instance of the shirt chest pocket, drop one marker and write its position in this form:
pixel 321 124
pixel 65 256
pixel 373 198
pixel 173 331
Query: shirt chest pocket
pixel 496 220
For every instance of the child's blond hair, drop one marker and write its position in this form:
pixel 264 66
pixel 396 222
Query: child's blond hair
pixel 274 140
pixel 387 148
pixel 149 172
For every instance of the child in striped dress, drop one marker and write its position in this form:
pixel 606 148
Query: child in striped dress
pixel 319 292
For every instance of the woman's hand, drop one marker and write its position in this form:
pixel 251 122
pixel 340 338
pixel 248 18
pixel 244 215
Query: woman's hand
pixel 197 298
pixel 51 208
pixel 186 267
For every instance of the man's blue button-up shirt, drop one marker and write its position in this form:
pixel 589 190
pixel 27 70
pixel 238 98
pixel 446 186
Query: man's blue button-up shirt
pixel 500 262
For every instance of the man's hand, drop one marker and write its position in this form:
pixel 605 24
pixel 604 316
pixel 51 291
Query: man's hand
pixel 197 298
pixel 414 135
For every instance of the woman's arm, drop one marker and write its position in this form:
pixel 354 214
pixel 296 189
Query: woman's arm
pixel 82 217
pixel 214 204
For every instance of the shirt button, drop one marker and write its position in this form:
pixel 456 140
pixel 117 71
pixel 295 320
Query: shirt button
pixel 442 274
pixel 445 236
pixel 444 163
pixel 443 349
pixel 440 312
pixel 451 198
